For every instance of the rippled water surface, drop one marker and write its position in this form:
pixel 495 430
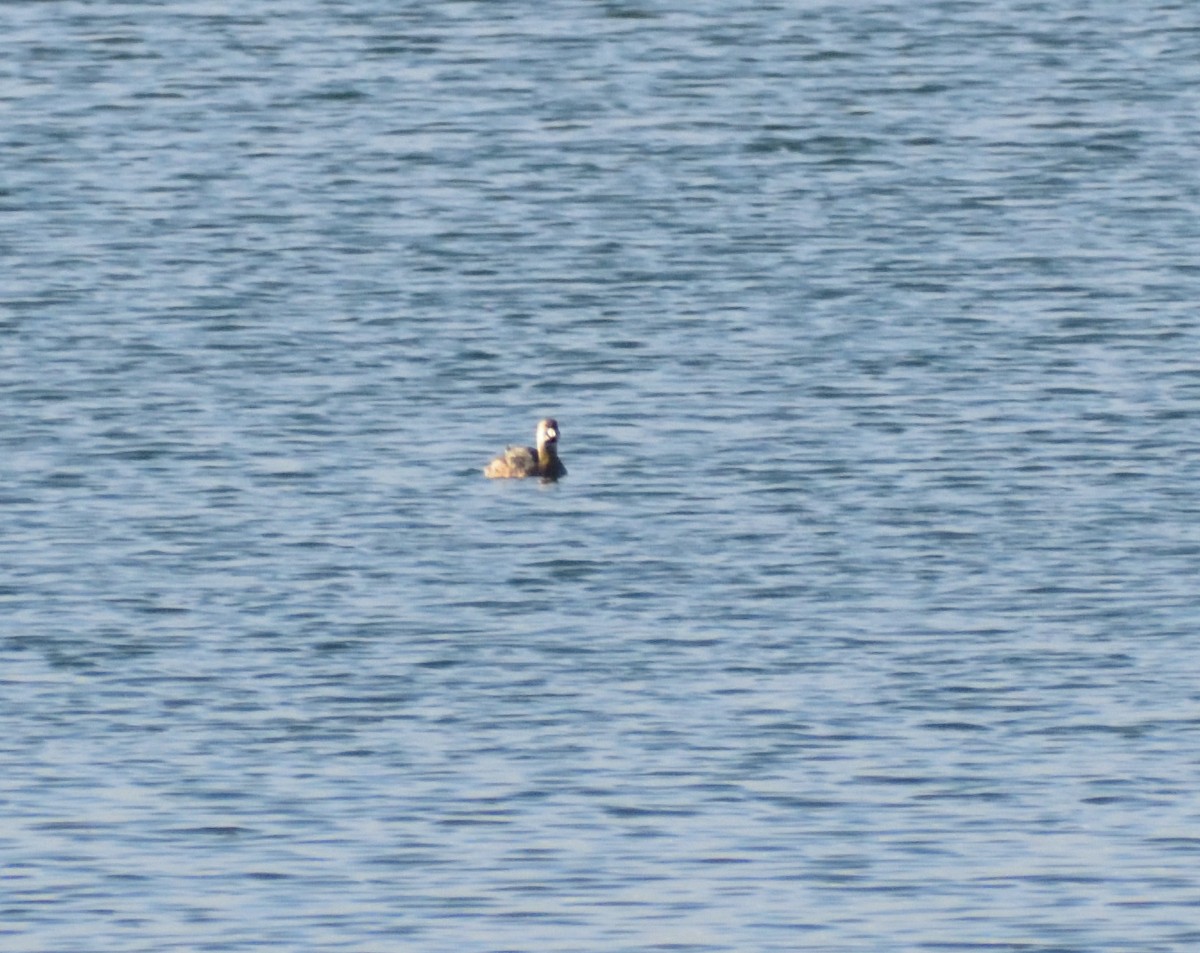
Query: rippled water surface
pixel 867 616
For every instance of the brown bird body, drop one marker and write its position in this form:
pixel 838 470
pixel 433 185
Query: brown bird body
pixel 540 461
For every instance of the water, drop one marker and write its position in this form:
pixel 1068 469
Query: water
pixel 865 618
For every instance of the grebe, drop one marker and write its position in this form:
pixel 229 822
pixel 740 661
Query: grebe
pixel 520 462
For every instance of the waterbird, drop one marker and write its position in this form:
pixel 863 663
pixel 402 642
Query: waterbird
pixel 540 461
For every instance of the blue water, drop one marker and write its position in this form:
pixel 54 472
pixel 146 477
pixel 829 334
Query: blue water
pixel 866 618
